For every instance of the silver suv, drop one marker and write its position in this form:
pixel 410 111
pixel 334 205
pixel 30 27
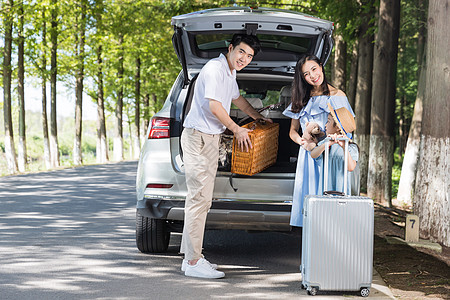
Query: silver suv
pixel 258 202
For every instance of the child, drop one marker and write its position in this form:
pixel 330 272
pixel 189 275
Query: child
pixel 340 123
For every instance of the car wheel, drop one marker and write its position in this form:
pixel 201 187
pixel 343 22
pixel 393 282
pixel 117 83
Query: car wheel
pixel 152 235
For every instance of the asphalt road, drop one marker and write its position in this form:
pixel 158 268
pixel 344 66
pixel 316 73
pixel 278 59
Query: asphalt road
pixel 70 234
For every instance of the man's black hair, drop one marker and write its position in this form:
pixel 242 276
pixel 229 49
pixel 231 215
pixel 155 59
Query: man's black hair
pixel 251 40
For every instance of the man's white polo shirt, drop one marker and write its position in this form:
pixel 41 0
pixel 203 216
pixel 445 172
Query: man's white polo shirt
pixel 217 82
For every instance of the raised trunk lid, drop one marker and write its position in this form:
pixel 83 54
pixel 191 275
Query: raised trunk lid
pixel 284 35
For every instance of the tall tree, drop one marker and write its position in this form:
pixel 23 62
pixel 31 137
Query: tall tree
pixel 407 178
pixel 353 76
pixel 102 143
pixel 432 203
pixel 118 137
pixel 363 98
pixel 146 102
pixel 7 78
pixel 137 111
pixel 43 73
pixel 80 30
pixel 402 103
pixel 407 78
pixel 409 165
pixel 340 61
pixel 22 153
pixel 54 148
pixel 379 185
pixel 421 39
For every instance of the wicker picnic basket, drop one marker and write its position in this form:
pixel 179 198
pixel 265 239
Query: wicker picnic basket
pixel 263 153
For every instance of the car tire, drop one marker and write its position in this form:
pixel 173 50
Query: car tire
pixel 152 235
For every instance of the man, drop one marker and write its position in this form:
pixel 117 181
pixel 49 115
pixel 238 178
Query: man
pixel 215 89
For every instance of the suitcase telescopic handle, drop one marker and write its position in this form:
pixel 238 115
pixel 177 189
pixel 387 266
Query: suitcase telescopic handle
pixel 325 173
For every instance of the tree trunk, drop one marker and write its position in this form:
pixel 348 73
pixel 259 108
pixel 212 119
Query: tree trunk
pixel 146 111
pixel 421 39
pixel 137 111
pixel 155 102
pixel 102 142
pixel 80 41
pixel 44 93
pixel 130 134
pixel 22 155
pixel 47 159
pixel 118 137
pixel 409 167
pixel 340 63
pixel 54 149
pixel 7 117
pixel 379 181
pixel 352 82
pixel 363 97
pixel 402 83
pixel 401 127
pixel 155 105
pixel 432 203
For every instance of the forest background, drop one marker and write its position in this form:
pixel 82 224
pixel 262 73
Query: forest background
pixel 118 56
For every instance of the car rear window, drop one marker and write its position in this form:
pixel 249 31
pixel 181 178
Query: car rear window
pixel 208 45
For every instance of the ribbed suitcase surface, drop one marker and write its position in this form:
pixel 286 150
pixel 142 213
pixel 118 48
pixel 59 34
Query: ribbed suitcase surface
pixel 337 243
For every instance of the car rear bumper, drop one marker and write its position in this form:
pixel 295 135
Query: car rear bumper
pixel 225 214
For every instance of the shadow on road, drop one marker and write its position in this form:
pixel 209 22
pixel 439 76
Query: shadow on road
pixel 70 234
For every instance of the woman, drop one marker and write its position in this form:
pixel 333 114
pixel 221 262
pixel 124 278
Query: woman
pixel 311 94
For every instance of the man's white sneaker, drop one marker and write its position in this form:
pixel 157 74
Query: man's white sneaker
pixel 203 269
pixel 185 263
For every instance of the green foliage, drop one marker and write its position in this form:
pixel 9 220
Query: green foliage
pixel 89 145
pixel 35 146
pixel 407 66
pixel 396 172
pixel 123 30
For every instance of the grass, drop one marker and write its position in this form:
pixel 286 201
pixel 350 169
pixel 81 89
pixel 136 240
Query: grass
pixel 66 161
pixel 35 144
pixel 38 164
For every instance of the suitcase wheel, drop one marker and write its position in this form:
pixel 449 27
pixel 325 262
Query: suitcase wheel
pixel 365 292
pixel 312 291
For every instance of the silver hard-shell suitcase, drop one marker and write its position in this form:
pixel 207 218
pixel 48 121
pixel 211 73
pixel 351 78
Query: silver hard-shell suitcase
pixel 337 241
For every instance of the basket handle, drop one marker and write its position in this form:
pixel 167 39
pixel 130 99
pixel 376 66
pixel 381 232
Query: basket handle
pixel 257 122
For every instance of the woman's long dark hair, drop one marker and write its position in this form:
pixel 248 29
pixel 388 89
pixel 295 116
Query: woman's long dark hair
pixel 301 90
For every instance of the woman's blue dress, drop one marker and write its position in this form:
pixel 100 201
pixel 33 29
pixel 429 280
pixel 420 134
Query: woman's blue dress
pixel 308 173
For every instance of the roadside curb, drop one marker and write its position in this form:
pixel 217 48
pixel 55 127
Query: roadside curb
pixel 379 288
pixel 394 240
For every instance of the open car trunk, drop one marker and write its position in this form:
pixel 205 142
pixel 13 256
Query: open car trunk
pixel 284 35
pixel 270 93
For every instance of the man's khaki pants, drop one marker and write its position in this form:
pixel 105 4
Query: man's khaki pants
pixel 200 156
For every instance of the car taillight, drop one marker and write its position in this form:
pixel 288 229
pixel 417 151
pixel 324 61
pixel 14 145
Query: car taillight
pixel 160 128
pixel 159 186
